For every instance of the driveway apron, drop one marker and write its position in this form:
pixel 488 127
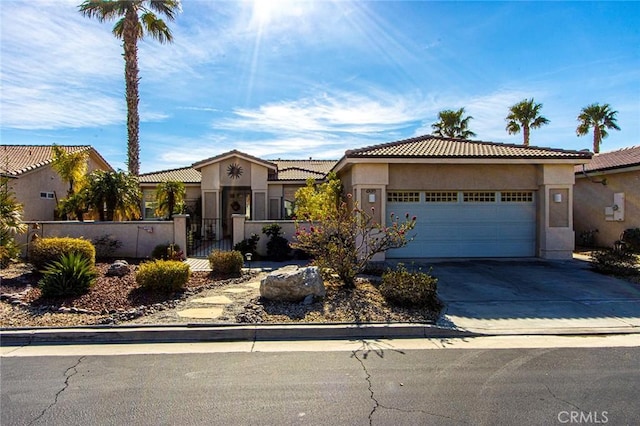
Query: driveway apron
pixel 534 296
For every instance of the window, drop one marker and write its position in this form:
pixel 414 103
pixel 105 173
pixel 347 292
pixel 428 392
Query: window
pixel 516 197
pixel 479 197
pixel 403 197
pixel 47 195
pixel 440 197
pixel 150 204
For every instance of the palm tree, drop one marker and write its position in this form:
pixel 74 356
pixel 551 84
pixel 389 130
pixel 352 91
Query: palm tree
pixel 10 222
pixel 601 118
pixel 525 115
pixel 72 168
pixel 170 198
pixel 115 195
pixel 452 125
pixel 135 19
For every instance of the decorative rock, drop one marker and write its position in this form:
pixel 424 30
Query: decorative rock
pixel 119 268
pixel 292 284
pixel 308 300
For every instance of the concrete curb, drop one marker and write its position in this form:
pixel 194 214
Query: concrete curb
pixel 213 333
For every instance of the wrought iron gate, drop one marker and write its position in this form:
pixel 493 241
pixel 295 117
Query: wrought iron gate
pixel 207 235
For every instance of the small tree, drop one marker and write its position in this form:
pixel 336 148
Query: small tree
pixel 345 242
pixel 314 201
pixel 277 247
pixel 170 198
pixel 72 168
pixel 10 222
pixel 116 195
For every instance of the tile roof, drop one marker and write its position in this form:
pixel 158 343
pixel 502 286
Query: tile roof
pixel 303 169
pixel 288 170
pixel 18 159
pixel 622 158
pixel 184 174
pixel 430 146
pixel 209 160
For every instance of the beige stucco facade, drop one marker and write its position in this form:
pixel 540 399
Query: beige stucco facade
pixel 40 189
pixel 552 182
pixel 593 206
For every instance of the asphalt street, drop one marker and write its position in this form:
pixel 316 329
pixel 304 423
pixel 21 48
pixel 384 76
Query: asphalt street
pixel 372 383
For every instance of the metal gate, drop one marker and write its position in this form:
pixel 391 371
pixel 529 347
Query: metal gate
pixel 207 235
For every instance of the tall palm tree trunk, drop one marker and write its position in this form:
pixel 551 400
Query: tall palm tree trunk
pixel 597 137
pixel 525 133
pixel 131 83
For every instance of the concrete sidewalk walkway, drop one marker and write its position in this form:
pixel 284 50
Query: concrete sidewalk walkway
pixel 200 264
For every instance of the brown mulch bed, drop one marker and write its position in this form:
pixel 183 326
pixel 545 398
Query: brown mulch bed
pixel 108 296
pixel 122 299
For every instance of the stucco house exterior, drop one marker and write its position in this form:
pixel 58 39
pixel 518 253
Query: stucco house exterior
pixel 607 196
pixel 36 185
pixel 471 198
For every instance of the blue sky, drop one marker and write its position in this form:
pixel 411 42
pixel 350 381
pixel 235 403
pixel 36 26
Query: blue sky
pixel 300 79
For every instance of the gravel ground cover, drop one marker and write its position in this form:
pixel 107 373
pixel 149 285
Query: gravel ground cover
pixel 119 300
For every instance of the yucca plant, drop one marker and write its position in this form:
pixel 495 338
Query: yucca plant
pixel 72 275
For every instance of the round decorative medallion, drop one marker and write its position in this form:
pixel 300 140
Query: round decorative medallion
pixel 234 170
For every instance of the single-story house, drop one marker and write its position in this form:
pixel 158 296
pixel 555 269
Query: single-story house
pixel 36 185
pixel 471 198
pixel 607 196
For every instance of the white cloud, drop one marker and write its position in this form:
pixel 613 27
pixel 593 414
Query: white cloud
pixel 57 71
pixel 331 113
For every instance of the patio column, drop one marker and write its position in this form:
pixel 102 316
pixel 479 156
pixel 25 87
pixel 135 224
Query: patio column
pixel 556 238
pixel 180 231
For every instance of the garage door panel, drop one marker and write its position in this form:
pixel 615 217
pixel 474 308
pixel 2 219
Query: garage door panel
pixel 469 229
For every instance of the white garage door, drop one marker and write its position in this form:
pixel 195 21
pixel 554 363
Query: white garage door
pixel 467 223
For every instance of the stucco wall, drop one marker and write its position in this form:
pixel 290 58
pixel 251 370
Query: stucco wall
pixel 462 176
pixel 255 227
pixel 138 238
pixel 591 198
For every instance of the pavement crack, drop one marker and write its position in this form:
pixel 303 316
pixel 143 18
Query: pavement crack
pixel 560 399
pixel 69 373
pixel 376 404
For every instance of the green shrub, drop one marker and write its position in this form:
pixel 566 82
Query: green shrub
pixel 43 251
pixel 167 252
pixel 249 245
pixel 614 262
pixel 631 238
pixel 414 289
pixel 277 247
pixel 163 275
pixel 72 275
pixel 105 246
pixel 226 263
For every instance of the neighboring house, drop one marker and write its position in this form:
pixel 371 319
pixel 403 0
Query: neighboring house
pixel 36 185
pixel 607 196
pixel 471 198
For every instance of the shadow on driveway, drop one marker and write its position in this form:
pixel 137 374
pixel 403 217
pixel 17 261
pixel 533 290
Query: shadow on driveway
pixel 536 296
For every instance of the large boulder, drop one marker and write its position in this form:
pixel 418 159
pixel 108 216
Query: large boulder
pixel 292 284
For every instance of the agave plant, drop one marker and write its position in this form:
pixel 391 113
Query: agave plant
pixel 72 275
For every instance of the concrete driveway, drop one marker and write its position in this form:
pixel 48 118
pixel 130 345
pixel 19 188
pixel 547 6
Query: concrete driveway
pixel 534 296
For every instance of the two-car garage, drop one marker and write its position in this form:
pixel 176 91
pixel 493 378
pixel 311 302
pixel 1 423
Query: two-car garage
pixel 472 199
pixel 467 223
